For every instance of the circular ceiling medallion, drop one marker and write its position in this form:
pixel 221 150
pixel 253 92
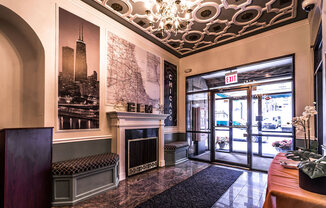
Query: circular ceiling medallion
pixel 193 37
pixel 206 12
pixel 118 6
pixel 247 16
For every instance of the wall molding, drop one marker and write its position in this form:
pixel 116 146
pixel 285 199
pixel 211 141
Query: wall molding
pixel 81 139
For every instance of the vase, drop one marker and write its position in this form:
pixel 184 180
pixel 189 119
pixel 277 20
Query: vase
pixel 222 145
pixel 316 185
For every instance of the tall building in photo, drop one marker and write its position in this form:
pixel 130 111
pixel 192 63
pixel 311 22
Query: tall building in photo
pixel 68 62
pixel 81 63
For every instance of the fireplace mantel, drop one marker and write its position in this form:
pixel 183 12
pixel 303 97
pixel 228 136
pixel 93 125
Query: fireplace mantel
pixel 120 121
pixel 127 118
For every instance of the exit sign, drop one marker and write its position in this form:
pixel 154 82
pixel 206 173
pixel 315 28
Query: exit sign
pixel 231 78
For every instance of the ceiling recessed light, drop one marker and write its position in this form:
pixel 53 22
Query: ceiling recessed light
pixel 193 37
pixel 247 16
pixel 117 7
pixel 206 13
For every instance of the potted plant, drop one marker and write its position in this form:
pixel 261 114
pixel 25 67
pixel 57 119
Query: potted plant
pixel 222 141
pixel 282 146
pixel 312 174
pixel 312 170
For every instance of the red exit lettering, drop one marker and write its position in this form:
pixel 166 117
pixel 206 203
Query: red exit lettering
pixel 231 78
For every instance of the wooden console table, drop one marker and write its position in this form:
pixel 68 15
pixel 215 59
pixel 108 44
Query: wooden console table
pixel 283 189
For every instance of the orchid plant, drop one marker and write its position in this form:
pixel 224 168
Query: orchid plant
pixel 302 123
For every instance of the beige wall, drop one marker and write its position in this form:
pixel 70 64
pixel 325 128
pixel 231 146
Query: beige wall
pixel 10 82
pixel 290 39
pixel 42 17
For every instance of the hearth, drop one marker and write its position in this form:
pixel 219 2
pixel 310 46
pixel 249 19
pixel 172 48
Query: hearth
pixel 141 150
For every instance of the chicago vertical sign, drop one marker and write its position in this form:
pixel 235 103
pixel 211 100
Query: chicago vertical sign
pixel 170 93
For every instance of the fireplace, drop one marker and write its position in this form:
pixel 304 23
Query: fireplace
pixel 132 125
pixel 141 150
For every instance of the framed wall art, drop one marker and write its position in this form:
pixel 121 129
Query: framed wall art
pixel 78 77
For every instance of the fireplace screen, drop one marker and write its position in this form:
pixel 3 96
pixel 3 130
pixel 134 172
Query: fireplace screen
pixel 142 153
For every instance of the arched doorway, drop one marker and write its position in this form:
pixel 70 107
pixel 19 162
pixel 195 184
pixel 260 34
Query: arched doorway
pixel 21 73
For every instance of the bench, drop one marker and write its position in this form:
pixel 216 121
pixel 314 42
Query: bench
pixel 78 179
pixel 175 152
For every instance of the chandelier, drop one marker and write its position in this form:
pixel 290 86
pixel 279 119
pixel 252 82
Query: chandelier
pixel 168 15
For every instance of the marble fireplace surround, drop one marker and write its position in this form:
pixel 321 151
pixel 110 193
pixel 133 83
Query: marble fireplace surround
pixel 120 121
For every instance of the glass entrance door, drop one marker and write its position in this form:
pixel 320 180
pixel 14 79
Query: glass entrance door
pixel 230 131
pixel 272 132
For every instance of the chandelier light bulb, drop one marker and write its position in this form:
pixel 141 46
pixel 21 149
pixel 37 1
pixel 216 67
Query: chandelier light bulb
pixel 176 24
pixel 188 4
pixel 151 18
pixel 147 4
pixel 187 15
pixel 174 10
pixel 167 14
pixel 157 7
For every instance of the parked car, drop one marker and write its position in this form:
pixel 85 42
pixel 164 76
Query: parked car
pixel 270 124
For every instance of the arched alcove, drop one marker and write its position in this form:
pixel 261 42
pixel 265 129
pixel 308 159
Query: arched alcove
pixel 21 73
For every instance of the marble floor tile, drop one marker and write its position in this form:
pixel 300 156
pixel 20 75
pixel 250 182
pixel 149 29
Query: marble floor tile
pixel 247 191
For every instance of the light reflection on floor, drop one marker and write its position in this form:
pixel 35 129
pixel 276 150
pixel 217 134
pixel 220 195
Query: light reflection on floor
pixel 258 163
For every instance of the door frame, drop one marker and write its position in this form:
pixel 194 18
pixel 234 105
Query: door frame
pixel 318 88
pixel 209 90
pixel 248 124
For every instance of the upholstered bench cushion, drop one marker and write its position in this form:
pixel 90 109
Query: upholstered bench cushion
pixel 175 145
pixel 79 165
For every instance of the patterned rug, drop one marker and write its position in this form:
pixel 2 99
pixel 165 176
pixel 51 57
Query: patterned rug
pixel 201 190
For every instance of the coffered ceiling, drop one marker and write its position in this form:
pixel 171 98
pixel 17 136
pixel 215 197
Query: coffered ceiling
pixel 213 22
